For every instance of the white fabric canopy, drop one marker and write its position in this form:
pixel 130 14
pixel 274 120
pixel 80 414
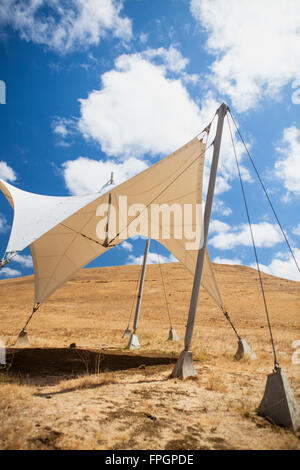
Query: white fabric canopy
pixel 68 241
pixel 35 214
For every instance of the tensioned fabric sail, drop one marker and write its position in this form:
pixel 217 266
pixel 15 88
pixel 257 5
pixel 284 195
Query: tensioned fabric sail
pixel 74 241
pixel 35 214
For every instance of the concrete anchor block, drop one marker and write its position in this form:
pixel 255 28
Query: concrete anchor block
pixel 184 366
pixel 173 336
pixel 278 402
pixel 126 333
pixel 133 342
pixel 244 350
pixel 22 340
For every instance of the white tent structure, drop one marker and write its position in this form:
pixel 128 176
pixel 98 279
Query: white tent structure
pixel 64 235
pixel 62 231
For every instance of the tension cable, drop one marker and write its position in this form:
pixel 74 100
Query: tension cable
pixel 276 364
pixel 265 191
pixel 163 283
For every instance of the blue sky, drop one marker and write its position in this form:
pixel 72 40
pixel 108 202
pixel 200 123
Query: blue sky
pixel 99 85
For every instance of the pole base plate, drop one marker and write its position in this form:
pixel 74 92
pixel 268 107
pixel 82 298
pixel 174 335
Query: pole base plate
pixel 133 342
pixel 173 336
pixel 244 350
pixel 22 340
pixel 184 366
pixel 279 403
pixel 126 333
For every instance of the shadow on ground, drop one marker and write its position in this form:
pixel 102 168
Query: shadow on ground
pixel 54 364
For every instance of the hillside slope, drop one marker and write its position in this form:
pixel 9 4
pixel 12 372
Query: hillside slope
pixel 99 396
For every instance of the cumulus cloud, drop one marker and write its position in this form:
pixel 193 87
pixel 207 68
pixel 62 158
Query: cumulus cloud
pixel 152 258
pixel 126 245
pixel 219 207
pixel 85 175
pixel 255 43
pixel 139 109
pixel 296 230
pixel 283 265
pixel 7 173
pixel 171 58
pixel 24 260
pixel 63 127
pixel 287 167
pixel 227 260
pixel 9 272
pixel 64 26
pixel 226 237
pixel 216 226
pixel 4 227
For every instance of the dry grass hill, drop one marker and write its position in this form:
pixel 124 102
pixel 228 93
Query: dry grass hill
pixel 100 396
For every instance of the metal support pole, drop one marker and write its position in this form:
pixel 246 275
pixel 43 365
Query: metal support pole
pixel 134 342
pixel 184 366
pixel 10 255
pixel 105 243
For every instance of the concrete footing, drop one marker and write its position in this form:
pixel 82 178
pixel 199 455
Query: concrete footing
pixel 126 333
pixel 244 350
pixel 173 336
pixel 279 403
pixel 133 342
pixel 184 366
pixel 22 340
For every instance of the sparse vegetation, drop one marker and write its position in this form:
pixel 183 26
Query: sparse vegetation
pixel 75 398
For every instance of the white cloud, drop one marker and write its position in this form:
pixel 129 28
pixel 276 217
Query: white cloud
pixel 24 260
pixel 296 230
pixel 9 272
pixel 255 43
pixel 287 168
pixel 4 227
pixel 265 235
pixel 283 265
pixel 216 226
pixel 64 26
pixel 6 172
pixel 139 109
pixel 172 59
pixel 227 260
pixel 61 130
pixel 152 258
pixel 126 245
pixel 85 175
pixel 219 207
pixel 63 126
pixel 143 38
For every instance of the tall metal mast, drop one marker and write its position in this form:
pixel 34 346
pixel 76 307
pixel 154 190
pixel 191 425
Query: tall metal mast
pixel 184 366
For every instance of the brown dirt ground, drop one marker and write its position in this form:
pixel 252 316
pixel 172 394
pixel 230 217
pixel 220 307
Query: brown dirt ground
pixel 100 396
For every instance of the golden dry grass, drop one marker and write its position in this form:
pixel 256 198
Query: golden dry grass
pixel 141 407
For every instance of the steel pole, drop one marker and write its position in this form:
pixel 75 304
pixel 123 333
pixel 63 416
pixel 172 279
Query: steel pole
pixel 208 205
pixel 140 294
pixel 105 243
pixel 184 366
